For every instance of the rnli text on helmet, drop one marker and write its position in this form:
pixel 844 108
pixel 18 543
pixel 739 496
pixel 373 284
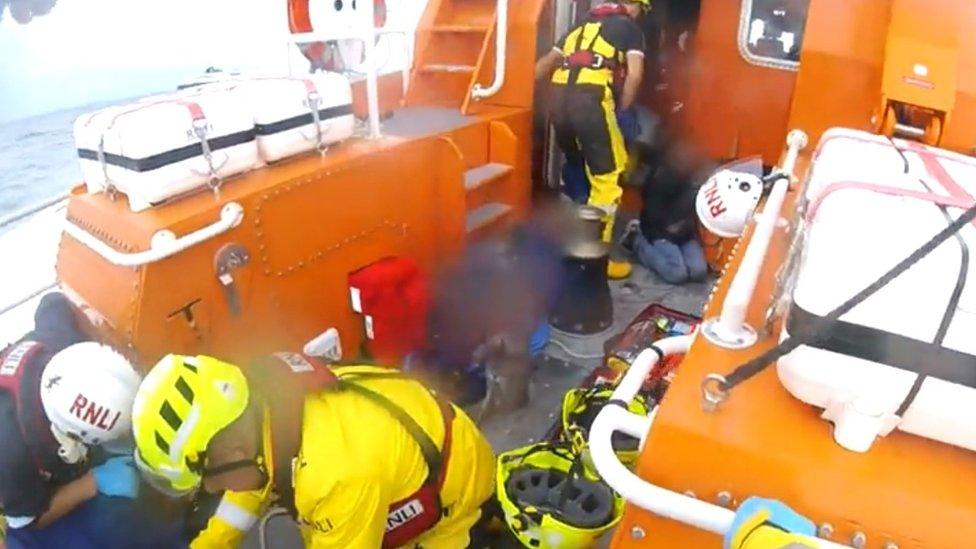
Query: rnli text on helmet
pixel 93 413
pixel 715 205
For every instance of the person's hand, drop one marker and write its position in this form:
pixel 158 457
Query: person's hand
pixel 117 477
pixel 756 513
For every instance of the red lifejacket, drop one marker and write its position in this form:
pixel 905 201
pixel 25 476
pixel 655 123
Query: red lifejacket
pixel 21 365
pixel 407 518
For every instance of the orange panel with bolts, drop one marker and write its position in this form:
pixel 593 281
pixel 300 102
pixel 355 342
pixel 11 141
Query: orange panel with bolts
pixel 279 276
pixel 765 442
pixel 735 108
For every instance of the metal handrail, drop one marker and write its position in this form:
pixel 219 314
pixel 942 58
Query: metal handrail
pixel 501 41
pixel 163 243
pixel 367 33
pixel 635 490
pixel 730 330
pixel 33 209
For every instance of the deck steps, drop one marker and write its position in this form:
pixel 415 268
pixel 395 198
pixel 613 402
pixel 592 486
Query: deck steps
pixel 484 184
pixel 486 219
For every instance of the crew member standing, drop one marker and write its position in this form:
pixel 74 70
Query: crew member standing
pixel 587 67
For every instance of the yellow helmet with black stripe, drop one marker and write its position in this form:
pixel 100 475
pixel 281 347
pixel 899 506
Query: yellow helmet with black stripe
pixel 548 503
pixel 180 406
pixel 580 407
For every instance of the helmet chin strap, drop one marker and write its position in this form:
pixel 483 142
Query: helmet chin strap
pixel 70 449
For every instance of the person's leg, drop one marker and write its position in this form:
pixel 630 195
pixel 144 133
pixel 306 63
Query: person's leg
pixel 694 257
pixel 595 123
pixel 664 258
pixel 602 145
pixel 103 522
pixel 575 185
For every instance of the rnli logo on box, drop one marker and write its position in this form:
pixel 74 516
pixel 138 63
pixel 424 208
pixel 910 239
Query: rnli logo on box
pixel 404 514
pixel 11 363
pixel 296 362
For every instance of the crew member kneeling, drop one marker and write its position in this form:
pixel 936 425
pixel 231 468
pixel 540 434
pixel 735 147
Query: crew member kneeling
pixel 367 458
pixel 64 408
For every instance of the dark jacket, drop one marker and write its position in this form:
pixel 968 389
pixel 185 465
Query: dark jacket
pixel 669 206
pixel 25 491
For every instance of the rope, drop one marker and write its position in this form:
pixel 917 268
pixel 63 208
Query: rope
pixel 815 333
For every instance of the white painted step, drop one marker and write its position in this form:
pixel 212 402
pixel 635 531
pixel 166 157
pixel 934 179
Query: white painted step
pixel 485 215
pixel 476 177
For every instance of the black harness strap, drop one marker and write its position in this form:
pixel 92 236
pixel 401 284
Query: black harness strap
pixel 432 454
pixel 574 70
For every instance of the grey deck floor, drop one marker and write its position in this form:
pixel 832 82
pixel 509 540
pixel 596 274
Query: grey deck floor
pixel 530 424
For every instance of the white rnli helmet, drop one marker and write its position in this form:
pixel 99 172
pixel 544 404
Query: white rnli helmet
pixel 726 202
pixel 87 391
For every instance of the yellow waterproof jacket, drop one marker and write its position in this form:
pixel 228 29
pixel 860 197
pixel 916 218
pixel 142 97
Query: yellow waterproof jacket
pixel 356 459
pixel 234 517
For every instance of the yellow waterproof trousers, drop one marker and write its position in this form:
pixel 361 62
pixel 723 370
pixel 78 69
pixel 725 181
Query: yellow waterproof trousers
pixel 586 127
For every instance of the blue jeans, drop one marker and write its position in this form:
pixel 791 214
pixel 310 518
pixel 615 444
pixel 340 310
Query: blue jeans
pixel 673 263
pixel 103 522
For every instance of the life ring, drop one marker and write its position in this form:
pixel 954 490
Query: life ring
pixel 317 53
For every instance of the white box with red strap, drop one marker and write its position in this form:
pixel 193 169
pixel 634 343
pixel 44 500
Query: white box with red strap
pixel 905 357
pixel 161 147
pixel 297 115
pixel 158 148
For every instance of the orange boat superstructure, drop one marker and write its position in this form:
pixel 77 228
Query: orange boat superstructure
pixel 448 168
pixel 895 67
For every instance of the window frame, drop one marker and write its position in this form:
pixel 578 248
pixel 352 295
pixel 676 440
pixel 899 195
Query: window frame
pixel 745 21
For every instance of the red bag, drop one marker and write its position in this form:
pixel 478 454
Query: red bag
pixel 393 298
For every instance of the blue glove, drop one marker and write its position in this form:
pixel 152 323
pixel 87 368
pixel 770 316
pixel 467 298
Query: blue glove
pixel 755 511
pixel 117 477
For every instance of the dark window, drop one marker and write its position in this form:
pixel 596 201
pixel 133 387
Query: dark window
pixel 772 31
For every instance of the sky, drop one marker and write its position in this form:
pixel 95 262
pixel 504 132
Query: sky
pixel 85 51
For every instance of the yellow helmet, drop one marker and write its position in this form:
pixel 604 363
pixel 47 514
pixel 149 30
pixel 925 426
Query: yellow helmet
pixel 180 406
pixel 645 4
pixel 580 407
pixel 547 505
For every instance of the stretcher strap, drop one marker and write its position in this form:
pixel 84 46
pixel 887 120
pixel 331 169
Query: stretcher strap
pixel 885 347
pixel 937 171
pixel 939 199
pixel 818 330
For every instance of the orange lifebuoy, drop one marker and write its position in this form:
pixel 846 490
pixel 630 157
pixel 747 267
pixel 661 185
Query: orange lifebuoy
pixel 300 21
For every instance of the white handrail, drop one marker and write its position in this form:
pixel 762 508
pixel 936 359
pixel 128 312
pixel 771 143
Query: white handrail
pixel 658 500
pixel 372 86
pixel 730 330
pixel 501 41
pixel 163 243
